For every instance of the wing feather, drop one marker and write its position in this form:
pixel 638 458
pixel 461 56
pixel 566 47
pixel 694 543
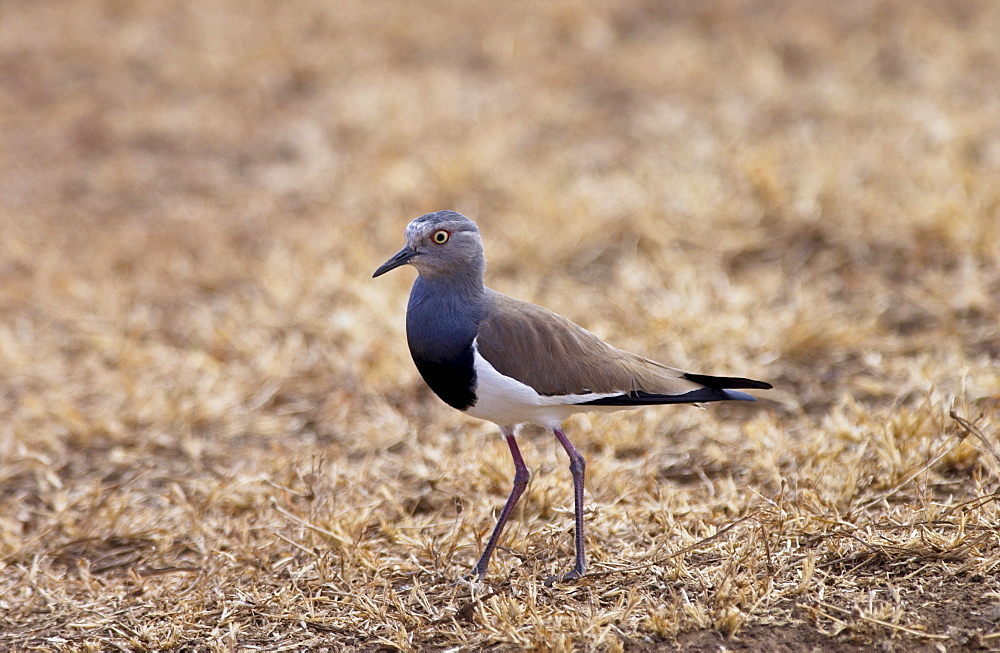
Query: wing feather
pixel 556 357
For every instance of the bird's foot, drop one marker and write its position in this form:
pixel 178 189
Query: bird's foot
pixel 474 577
pixel 576 573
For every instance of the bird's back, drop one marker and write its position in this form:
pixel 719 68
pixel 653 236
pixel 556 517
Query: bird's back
pixel 557 357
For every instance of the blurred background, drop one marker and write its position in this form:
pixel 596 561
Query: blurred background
pixel 193 197
pixel 838 160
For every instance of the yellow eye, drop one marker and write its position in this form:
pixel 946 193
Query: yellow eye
pixel 440 236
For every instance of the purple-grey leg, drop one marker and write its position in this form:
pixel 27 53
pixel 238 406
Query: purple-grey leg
pixel 521 476
pixel 577 465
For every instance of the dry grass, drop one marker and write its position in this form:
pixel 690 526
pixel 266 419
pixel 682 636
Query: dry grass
pixel 211 436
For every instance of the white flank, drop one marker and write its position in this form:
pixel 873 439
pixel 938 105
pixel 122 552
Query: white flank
pixel 506 401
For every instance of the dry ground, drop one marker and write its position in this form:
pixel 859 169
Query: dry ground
pixel 211 434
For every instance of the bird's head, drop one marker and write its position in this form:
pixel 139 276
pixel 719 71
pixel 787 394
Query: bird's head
pixel 440 244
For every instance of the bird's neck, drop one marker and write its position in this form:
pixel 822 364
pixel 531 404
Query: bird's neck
pixel 449 303
pixel 442 317
pixel 458 289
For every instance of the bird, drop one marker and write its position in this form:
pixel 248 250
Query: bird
pixel 512 362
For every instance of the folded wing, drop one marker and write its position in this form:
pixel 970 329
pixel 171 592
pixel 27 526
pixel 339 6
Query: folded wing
pixel 556 357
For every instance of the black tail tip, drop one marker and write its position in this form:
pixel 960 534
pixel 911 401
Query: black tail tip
pixel 727 382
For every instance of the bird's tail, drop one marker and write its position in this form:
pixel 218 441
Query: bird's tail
pixel 726 382
pixel 715 388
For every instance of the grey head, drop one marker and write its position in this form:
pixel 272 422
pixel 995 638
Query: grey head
pixel 441 244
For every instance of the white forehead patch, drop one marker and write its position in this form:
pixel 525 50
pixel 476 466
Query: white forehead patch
pixel 415 228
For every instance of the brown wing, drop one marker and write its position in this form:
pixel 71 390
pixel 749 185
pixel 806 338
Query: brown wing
pixel 556 357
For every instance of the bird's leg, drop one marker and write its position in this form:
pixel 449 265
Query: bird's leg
pixel 521 476
pixel 577 465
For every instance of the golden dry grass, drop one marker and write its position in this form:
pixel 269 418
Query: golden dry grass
pixel 211 435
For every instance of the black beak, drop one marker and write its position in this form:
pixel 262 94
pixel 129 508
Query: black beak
pixel 402 257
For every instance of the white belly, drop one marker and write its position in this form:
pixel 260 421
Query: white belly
pixel 506 401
